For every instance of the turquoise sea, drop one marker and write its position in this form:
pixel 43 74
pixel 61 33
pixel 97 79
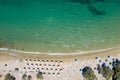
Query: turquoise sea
pixel 60 25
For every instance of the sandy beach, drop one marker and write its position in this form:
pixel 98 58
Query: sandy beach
pixel 53 67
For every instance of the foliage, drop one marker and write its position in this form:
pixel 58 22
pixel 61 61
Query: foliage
pixel 106 72
pixel 39 76
pixel 29 77
pixel 9 77
pixel 116 69
pixel 88 73
pixel 24 77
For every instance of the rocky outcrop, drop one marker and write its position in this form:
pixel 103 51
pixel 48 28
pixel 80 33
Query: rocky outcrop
pixel 95 11
pixel 4 43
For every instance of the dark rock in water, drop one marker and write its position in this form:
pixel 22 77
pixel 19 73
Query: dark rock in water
pixel 91 8
pixel 4 43
pixel 82 1
pixel 95 11
pixel 99 0
pixel 17 3
pixel 86 1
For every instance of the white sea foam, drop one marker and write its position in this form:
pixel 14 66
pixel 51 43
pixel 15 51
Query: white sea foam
pixel 58 53
pixel 3 49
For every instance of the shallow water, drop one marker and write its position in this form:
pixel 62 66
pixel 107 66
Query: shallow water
pixel 59 26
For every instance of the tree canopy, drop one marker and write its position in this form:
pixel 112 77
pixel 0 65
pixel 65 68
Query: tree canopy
pixel 116 69
pixel 88 73
pixel 9 77
pixel 39 76
pixel 106 72
pixel 29 77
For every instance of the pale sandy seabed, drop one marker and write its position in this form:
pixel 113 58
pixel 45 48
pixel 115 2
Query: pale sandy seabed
pixel 54 67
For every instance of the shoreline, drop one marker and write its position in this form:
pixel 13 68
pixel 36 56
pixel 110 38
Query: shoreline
pixel 58 53
pixel 17 55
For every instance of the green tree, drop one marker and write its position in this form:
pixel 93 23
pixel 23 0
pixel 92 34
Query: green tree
pixel 24 77
pixel 29 77
pixel 106 72
pixel 9 77
pixel 39 76
pixel 116 69
pixel 89 74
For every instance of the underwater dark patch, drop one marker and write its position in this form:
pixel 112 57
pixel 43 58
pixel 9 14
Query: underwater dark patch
pixel 95 11
pixel 13 2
